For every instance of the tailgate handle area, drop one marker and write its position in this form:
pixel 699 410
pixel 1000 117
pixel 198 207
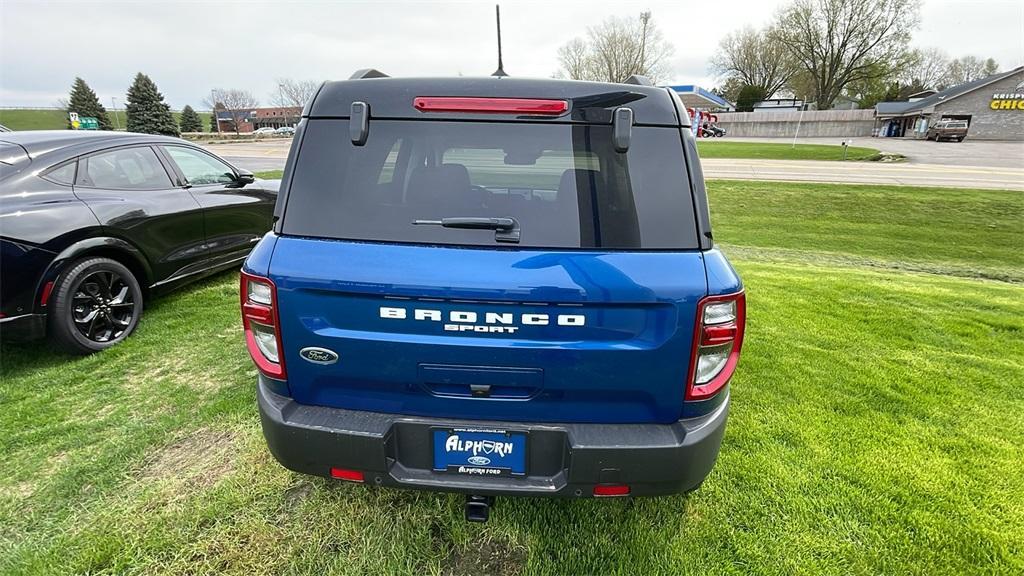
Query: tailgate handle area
pixel 481 382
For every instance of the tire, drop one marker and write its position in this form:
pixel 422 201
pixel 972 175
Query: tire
pixel 96 303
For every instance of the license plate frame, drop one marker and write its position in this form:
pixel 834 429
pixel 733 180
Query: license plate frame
pixel 488 445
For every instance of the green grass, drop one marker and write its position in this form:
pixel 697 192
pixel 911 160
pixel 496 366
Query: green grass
pixel 717 148
pixel 877 427
pixel 33 119
pixel 41 119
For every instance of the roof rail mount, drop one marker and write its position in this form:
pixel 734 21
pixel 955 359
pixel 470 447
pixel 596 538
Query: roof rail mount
pixel 639 80
pixel 367 73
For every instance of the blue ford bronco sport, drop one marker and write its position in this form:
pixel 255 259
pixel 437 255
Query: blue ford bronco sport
pixel 494 286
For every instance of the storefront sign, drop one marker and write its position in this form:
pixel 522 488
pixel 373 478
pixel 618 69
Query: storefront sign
pixel 1008 100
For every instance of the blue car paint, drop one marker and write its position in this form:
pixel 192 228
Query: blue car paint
pixel 639 305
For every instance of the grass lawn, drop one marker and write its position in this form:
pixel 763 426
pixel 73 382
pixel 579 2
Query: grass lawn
pixel 724 148
pixel 41 119
pixel 877 427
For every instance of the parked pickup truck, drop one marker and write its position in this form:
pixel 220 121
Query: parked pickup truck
pixel 494 286
pixel 947 130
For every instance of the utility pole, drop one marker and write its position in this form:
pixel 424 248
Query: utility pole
pixel 113 108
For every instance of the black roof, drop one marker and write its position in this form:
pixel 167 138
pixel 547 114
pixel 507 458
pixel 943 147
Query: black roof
pixel 39 142
pixel 904 108
pixel 589 102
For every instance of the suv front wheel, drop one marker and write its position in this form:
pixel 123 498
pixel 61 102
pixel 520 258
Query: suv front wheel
pixel 96 303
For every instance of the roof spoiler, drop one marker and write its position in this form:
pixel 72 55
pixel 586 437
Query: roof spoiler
pixel 367 73
pixel 639 80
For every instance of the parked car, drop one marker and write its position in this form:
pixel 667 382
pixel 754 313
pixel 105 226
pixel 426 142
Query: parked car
pixel 712 131
pixel 93 223
pixel 494 287
pixel 947 130
pixel 264 130
pixel 285 130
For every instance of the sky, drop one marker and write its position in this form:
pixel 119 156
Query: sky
pixel 189 47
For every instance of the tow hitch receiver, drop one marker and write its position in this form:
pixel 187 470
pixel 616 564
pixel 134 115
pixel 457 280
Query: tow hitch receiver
pixel 478 508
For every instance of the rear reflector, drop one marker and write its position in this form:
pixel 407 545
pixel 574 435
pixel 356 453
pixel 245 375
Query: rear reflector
pixel 611 490
pixel 347 475
pixel 491 105
pixel 46 293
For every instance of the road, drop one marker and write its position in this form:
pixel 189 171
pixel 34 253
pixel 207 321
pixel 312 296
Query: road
pixel 996 165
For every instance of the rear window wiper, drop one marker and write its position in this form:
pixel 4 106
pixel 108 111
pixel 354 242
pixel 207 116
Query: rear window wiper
pixel 505 229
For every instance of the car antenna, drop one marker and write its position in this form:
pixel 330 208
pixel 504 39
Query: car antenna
pixel 501 67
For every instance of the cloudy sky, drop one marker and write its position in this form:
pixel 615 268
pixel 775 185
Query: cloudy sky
pixel 190 47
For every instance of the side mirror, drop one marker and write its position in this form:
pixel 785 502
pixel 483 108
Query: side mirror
pixel 244 177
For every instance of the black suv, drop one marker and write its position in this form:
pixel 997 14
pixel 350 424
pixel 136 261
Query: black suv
pixel 93 222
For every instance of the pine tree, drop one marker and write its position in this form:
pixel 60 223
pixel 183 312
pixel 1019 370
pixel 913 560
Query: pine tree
pixel 190 121
pixel 84 101
pixel 213 121
pixel 146 110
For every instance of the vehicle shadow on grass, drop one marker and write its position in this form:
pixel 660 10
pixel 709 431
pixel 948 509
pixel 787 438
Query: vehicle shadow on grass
pixel 19 359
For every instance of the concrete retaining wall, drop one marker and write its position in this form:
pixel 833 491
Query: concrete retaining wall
pixel 815 123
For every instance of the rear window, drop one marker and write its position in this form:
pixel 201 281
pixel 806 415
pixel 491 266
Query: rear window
pixel 564 184
pixel 956 124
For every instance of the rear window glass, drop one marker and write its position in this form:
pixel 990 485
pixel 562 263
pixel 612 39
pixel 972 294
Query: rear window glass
pixel 564 185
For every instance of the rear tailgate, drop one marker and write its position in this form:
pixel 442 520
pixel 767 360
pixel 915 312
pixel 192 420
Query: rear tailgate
pixel 520 335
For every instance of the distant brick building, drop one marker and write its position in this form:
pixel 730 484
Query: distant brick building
pixel 260 118
pixel 993 108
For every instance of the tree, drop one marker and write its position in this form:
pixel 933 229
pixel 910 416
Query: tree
pixel 146 110
pixel 190 121
pixel 294 93
pixel 748 96
pixel 928 69
pixel 615 50
pixel 237 103
pixel 729 89
pixel 755 58
pixel 84 101
pixel 841 41
pixel 968 69
pixel 213 121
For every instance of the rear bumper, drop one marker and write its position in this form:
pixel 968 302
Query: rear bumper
pixel 23 328
pixel 563 459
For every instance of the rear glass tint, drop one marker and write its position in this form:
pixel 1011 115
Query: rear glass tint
pixel 564 184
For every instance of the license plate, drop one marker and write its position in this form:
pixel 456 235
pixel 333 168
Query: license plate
pixel 479 452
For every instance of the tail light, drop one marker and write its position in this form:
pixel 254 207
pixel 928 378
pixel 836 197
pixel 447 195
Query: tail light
pixel 262 327
pixel 716 344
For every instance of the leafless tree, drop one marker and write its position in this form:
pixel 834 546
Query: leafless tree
pixel 928 69
pixel 237 103
pixel 968 69
pixel 756 58
pixel 840 41
pixel 294 93
pixel 615 50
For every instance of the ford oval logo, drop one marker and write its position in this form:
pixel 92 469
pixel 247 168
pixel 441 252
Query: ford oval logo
pixel 478 460
pixel 318 355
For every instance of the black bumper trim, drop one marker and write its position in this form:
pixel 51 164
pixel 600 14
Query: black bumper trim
pixel 564 459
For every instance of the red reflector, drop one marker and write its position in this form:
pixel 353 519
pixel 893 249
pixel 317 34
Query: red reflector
pixel 349 475
pixel 258 312
pixel 46 293
pixel 611 490
pixel 491 105
pixel 718 334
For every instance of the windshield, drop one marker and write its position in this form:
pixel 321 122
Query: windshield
pixel 564 185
